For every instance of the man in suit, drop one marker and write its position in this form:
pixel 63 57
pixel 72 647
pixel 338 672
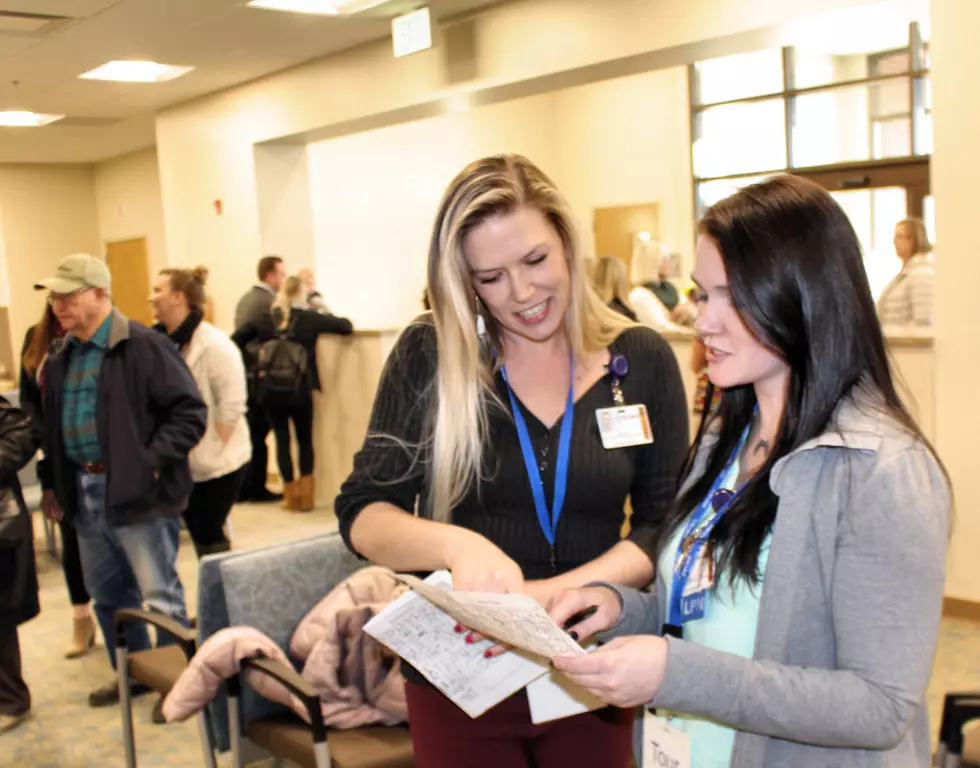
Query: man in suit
pixel 254 308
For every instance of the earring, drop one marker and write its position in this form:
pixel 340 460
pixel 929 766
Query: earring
pixel 481 324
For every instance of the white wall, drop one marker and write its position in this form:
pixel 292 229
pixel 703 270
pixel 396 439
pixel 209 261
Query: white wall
pixel 46 213
pixel 206 145
pixel 955 170
pixel 627 141
pixel 375 196
pixel 127 191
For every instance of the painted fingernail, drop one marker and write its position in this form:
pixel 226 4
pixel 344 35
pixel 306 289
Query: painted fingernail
pixel 573 634
pixel 488 654
pixel 460 628
pixel 470 639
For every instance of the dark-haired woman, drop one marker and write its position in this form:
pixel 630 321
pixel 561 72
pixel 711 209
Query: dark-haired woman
pixel 800 573
pixel 218 462
pixel 40 340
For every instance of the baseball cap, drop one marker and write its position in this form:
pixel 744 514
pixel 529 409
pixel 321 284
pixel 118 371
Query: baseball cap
pixel 75 272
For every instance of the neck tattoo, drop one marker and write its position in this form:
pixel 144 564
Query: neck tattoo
pixel 762 446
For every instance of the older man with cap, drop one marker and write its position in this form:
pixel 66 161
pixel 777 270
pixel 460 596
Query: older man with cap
pixel 124 412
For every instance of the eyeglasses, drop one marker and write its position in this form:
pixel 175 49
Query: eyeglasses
pixel 65 298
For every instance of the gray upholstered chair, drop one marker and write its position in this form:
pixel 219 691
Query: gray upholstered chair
pixel 272 589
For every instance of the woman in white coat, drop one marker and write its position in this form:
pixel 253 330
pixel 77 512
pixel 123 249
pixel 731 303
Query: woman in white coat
pixel 218 462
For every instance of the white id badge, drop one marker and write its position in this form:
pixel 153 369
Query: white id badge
pixel 624 426
pixel 663 745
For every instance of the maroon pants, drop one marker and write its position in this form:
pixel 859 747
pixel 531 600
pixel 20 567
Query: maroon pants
pixel 504 737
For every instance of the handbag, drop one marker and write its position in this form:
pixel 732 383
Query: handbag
pixel 15 519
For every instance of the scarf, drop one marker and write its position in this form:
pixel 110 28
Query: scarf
pixel 185 331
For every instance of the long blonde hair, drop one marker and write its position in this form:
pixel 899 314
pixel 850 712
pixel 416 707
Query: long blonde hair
pixel 292 289
pixel 609 279
pixel 464 381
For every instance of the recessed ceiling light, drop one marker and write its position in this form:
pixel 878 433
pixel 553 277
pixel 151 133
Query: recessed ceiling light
pixel 321 7
pixel 16 118
pixel 136 72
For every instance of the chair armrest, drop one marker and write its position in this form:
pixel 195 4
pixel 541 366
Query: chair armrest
pixel 186 638
pixel 958 710
pixel 297 685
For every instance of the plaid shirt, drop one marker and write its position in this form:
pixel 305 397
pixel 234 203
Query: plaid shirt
pixel 78 424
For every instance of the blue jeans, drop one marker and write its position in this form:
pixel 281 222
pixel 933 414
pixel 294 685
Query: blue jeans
pixel 127 567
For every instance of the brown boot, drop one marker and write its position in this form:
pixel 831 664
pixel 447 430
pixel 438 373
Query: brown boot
pixel 307 493
pixel 82 638
pixel 290 496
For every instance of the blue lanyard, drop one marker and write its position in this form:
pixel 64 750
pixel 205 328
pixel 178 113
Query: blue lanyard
pixel 699 527
pixel 548 522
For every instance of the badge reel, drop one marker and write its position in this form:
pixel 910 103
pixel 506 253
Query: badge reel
pixel 622 426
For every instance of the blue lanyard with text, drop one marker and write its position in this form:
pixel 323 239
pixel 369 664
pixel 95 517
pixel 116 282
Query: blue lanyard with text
pixel 706 516
pixel 548 522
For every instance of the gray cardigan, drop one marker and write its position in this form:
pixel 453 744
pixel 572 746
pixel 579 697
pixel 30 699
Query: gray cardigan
pixel 849 611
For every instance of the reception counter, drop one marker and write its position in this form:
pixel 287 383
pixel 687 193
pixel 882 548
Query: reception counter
pixel 350 367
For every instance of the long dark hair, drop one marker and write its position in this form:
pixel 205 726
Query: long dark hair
pixel 797 280
pixel 47 329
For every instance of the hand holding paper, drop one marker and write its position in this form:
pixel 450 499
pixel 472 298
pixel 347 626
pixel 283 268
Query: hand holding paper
pixel 517 620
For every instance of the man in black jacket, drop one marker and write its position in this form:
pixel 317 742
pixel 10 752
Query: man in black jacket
pixel 254 309
pixel 124 414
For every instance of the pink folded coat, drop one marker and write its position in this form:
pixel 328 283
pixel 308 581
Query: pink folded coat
pixel 359 681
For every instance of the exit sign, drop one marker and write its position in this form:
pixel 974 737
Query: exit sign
pixel 412 32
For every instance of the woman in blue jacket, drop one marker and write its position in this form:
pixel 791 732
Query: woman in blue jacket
pixel 800 573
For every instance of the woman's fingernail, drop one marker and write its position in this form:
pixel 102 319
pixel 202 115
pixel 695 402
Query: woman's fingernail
pixel 488 654
pixel 573 634
pixel 460 627
pixel 470 639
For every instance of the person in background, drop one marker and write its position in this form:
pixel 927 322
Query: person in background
pixel 122 414
pixel 314 299
pixel 218 463
pixel 41 340
pixel 253 310
pixel 609 279
pixel 661 287
pixel 294 324
pixel 649 307
pixel 467 425
pixel 19 440
pixel 801 571
pixel 908 300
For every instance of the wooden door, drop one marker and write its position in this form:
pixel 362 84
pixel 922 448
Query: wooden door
pixel 616 227
pixel 130 278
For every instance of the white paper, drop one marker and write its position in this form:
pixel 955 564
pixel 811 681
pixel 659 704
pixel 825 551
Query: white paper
pixel 554 696
pixel 663 745
pixel 425 636
pixel 516 620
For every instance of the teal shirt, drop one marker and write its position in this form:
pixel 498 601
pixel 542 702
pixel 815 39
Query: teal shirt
pixel 80 396
pixel 731 617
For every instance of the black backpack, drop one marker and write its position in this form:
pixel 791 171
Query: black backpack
pixel 282 370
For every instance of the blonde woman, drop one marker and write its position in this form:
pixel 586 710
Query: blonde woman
pixel 299 327
pixel 908 299
pixel 494 438
pixel 609 279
